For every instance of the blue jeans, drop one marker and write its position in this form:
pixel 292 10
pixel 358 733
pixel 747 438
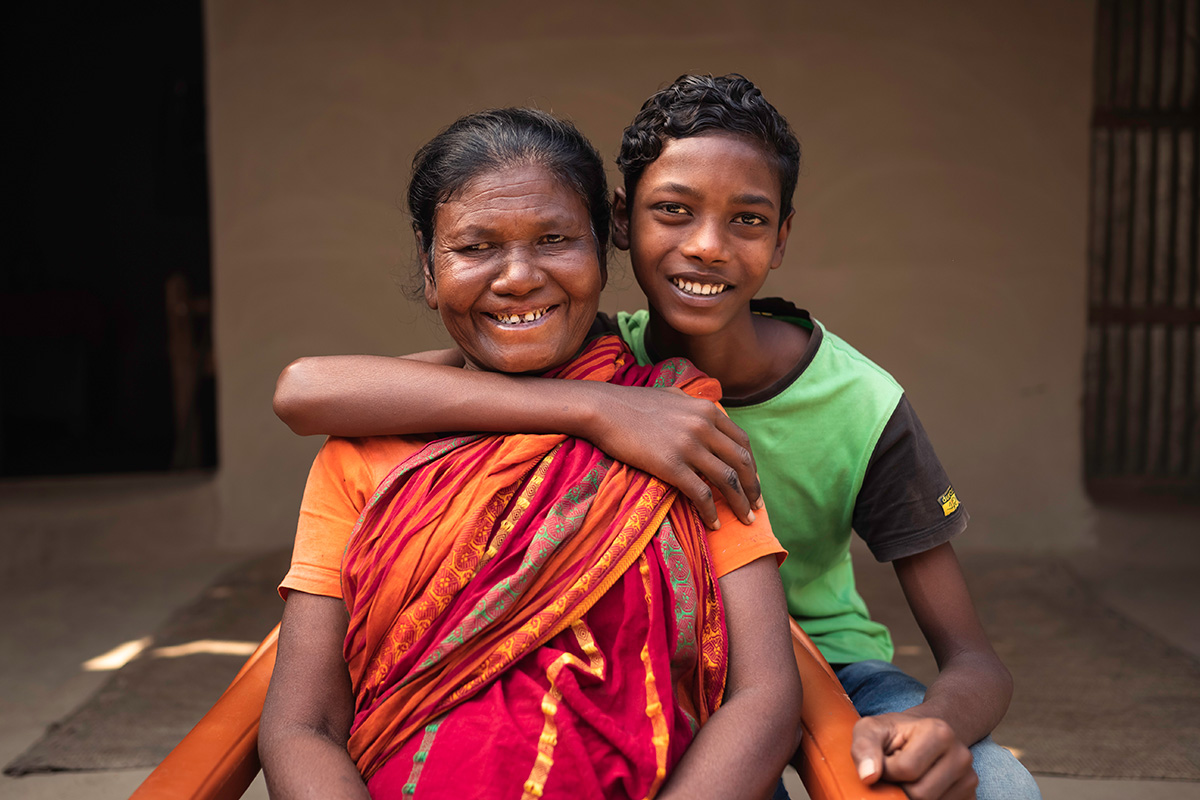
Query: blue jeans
pixel 877 687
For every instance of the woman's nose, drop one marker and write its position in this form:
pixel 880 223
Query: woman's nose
pixel 706 243
pixel 519 274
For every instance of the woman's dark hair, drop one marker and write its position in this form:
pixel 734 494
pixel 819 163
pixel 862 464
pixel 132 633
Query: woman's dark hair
pixel 505 137
pixel 699 104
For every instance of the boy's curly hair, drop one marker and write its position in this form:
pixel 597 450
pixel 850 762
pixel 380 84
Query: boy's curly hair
pixel 698 104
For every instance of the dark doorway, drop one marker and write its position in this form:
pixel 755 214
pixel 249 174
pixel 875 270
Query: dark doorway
pixel 1142 382
pixel 105 332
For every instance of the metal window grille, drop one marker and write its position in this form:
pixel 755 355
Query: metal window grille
pixel 1141 403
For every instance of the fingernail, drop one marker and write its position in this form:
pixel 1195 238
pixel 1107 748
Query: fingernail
pixel 716 524
pixel 759 503
pixel 866 768
pixel 750 517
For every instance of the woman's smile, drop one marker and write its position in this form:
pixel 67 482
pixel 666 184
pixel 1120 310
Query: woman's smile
pixel 514 319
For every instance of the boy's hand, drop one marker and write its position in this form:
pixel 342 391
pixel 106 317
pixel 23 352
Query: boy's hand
pixel 682 440
pixel 921 754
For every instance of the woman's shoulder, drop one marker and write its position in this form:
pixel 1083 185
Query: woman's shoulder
pixel 366 459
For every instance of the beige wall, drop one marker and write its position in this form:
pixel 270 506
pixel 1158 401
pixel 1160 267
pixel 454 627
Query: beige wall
pixel 942 202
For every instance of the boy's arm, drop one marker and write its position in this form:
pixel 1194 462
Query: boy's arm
pixel 928 743
pixel 745 745
pixel 682 440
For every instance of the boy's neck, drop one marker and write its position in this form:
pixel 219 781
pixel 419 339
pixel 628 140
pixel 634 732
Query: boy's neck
pixel 746 356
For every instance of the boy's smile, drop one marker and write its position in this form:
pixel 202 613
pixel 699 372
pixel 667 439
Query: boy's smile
pixel 704 230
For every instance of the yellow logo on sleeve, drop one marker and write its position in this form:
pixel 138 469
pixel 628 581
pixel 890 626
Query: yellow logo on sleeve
pixel 949 501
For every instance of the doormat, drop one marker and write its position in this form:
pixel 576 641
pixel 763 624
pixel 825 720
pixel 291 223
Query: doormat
pixel 150 704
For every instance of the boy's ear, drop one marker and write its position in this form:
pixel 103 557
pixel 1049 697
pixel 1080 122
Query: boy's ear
pixel 620 220
pixel 781 240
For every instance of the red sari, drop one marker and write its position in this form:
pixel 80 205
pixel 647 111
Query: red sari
pixel 527 616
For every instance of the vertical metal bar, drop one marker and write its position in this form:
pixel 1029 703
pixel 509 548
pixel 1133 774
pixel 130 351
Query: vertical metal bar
pixel 1189 418
pixel 1142 457
pixel 1173 255
pixel 1104 69
pixel 1122 409
pixel 1112 46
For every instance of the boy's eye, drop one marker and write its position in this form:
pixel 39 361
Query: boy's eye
pixel 672 208
pixel 749 219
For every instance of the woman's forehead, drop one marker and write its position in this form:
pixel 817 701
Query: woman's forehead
pixel 508 194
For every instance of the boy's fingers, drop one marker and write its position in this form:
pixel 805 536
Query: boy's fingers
pixel 735 451
pixel 725 480
pixel 866 747
pixel 948 778
pixel 965 788
pixel 929 760
pixel 696 490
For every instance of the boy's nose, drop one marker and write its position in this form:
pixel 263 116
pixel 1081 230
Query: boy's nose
pixel 707 243
pixel 519 274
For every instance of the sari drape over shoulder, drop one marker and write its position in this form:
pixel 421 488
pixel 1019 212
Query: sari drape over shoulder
pixel 529 583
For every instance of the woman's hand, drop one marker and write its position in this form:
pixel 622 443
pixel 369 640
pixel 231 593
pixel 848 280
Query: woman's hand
pixel 921 754
pixel 684 441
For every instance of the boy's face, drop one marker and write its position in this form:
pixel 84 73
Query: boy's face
pixel 703 230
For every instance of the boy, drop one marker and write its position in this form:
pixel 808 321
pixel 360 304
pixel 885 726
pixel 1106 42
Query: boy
pixel 710 168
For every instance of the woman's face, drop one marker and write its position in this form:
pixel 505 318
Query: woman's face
pixel 515 274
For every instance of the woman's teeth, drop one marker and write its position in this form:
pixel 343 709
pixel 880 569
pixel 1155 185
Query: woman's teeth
pixel 516 319
pixel 700 288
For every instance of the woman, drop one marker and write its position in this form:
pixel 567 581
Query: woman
pixel 519 615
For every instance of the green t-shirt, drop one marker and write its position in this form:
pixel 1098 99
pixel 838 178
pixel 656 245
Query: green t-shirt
pixel 837 447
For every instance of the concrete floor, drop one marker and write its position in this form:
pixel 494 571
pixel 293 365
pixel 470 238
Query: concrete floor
pixel 92 563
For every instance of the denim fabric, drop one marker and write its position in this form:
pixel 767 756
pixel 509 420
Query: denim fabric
pixel 877 687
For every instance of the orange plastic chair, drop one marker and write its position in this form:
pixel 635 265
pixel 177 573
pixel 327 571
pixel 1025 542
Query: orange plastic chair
pixel 218 760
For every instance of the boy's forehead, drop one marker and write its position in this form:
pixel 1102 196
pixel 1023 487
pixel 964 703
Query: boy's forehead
pixel 687 165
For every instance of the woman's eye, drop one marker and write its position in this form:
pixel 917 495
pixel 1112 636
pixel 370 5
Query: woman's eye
pixel 672 208
pixel 554 238
pixel 475 248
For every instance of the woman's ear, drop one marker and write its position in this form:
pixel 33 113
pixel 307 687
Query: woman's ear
pixel 620 220
pixel 427 274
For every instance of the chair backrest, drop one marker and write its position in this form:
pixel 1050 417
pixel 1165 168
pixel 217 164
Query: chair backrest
pixel 218 760
pixel 827 718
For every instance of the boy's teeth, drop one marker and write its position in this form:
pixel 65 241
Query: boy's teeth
pixel 692 287
pixel 528 316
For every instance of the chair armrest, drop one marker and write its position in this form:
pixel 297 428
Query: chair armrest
pixel 827 719
pixel 218 759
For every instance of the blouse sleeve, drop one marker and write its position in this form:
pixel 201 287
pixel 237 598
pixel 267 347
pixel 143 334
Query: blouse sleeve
pixel 339 485
pixel 735 545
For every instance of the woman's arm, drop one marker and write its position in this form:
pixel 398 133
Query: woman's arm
pixel 684 441
pixel 309 706
pixel 742 749
pixel 925 748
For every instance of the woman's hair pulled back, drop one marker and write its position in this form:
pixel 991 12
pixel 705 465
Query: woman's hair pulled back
pixel 500 138
pixel 698 104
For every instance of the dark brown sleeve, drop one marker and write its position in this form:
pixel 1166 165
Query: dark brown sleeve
pixel 906 504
